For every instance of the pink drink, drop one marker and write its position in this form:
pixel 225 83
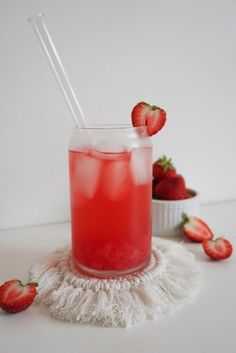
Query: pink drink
pixel 111 210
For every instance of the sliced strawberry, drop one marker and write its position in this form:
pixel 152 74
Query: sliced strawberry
pixel 195 229
pixel 138 114
pixel 171 188
pixel 16 297
pixel 144 114
pixel 163 168
pixel 155 120
pixel 218 249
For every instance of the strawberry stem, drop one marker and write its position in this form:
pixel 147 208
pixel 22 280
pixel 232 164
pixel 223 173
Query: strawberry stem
pixel 154 107
pixel 166 163
pixel 185 218
pixel 216 239
pixel 32 283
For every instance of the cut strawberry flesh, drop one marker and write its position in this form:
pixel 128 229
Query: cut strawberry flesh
pixel 197 230
pixel 139 113
pixel 155 121
pixel 15 297
pixel 219 246
pixel 14 293
pixel 218 249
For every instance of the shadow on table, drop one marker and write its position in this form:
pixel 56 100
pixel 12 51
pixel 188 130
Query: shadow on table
pixel 194 247
pixel 16 263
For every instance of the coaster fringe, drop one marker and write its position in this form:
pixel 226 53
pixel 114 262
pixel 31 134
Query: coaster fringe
pixel 171 280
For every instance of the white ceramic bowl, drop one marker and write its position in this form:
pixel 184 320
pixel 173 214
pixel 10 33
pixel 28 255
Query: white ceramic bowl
pixel 167 215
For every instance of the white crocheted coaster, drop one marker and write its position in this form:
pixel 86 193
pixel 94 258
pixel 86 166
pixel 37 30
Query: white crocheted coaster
pixel 170 280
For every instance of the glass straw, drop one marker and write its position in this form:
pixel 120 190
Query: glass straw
pixel 55 65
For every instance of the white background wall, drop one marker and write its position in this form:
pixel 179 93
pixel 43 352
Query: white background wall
pixel 178 54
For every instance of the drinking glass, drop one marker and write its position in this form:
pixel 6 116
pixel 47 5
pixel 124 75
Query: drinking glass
pixel 110 193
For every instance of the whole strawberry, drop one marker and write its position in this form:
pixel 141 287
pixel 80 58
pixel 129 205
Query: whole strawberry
pixel 163 168
pixel 154 183
pixel 16 297
pixel 173 188
pixel 144 114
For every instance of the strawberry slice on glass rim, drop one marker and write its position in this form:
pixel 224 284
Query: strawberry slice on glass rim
pixel 144 114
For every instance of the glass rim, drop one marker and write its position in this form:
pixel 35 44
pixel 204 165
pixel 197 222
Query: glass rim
pixel 109 127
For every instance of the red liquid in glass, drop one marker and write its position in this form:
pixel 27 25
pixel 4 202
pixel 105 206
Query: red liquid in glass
pixel 110 210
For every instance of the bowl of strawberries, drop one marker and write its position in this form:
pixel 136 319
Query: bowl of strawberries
pixel 170 199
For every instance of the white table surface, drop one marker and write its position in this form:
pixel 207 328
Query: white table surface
pixel 207 325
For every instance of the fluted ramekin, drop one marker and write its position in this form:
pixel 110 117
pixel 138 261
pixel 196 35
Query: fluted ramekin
pixel 167 215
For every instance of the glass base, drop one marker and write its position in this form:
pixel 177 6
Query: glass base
pixel 109 274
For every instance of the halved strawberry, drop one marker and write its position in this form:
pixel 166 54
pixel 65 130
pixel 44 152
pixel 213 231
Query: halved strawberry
pixel 196 229
pixel 218 249
pixel 144 114
pixel 16 297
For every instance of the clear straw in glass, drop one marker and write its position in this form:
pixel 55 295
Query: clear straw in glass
pixel 55 64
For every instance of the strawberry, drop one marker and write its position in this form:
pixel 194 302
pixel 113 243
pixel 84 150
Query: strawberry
pixel 163 168
pixel 16 297
pixel 154 183
pixel 195 229
pixel 217 249
pixel 171 188
pixel 144 114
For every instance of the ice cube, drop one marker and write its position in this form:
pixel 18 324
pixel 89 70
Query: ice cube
pixel 141 165
pixel 110 151
pixel 88 175
pixel 109 147
pixel 111 156
pixel 115 179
